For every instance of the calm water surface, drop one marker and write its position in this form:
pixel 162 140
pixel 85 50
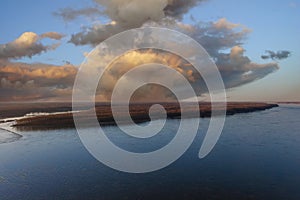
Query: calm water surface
pixel 257 157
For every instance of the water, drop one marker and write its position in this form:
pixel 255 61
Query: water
pixel 257 157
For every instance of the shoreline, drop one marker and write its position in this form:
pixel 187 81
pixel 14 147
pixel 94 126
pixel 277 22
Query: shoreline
pixel 138 112
pixel 8 135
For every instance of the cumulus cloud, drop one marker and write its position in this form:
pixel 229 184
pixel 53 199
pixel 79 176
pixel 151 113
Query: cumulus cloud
pixel 279 55
pixel 21 81
pixel 149 92
pixel 216 37
pixel 237 69
pixel 134 12
pixel 124 15
pixel 222 39
pixel 127 14
pixel 96 34
pixel 28 45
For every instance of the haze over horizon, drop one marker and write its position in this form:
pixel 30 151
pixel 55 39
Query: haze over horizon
pixel 255 49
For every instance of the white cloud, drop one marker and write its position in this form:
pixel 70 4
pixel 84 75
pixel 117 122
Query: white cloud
pixel 28 45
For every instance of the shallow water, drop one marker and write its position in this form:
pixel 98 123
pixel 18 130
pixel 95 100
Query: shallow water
pixel 257 157
pixel 7 133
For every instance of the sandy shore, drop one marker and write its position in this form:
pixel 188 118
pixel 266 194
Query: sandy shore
pixel 138 112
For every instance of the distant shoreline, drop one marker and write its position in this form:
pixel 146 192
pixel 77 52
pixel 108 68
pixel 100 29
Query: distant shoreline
pixel 297 103
pixel 139 113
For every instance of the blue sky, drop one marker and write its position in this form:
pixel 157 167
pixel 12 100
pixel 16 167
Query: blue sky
pixel 274 24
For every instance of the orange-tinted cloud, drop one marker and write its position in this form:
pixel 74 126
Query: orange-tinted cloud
pixel 21 81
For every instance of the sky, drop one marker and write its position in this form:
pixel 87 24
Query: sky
pixel 42 64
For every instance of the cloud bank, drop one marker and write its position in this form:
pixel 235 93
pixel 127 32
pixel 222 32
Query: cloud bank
pixel 21 81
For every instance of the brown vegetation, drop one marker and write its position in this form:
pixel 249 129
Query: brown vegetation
pixel 138 112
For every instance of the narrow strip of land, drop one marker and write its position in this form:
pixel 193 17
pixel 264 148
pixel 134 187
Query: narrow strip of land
pixel 139 113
